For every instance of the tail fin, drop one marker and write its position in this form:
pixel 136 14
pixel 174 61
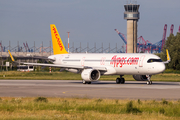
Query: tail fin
pixel 58 46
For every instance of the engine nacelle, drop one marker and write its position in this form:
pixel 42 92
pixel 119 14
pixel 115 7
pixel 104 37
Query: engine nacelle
pixel 90 75
pixel 140 77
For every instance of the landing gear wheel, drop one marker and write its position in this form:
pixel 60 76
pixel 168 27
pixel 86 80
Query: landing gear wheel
pixel 149 79
pixel 122 80
pixel 84 82
pixel 118 80
pixel 149 82
pixel 88 82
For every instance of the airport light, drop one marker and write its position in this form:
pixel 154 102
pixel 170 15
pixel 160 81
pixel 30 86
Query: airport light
pixel 68 41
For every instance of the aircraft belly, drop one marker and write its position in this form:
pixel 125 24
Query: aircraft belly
pixel 110 71
pixel 142 71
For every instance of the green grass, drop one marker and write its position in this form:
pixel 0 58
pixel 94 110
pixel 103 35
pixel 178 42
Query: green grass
pixel 87 109
pixel 166 76
pixel 83 108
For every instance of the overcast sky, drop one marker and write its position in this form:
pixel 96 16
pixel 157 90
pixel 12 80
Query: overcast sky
pixel 88 21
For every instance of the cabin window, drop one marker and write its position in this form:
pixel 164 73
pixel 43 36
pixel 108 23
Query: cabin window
pixel 154 60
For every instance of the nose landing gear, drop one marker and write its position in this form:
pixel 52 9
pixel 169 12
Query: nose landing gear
pixel 149 82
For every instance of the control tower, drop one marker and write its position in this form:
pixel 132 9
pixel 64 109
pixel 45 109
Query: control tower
pixel 131 14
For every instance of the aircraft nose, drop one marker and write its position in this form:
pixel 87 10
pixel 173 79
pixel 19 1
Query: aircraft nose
pixel 161 68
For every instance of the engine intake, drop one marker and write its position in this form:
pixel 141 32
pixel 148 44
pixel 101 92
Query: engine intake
pixel 90 75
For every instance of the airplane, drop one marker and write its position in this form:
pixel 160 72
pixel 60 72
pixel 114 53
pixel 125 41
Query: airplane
pixel 92 66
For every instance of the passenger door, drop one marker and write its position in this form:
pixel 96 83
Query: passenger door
pixel 141 61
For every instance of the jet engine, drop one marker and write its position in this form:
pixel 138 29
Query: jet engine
pixel 90 75
pixel 140 77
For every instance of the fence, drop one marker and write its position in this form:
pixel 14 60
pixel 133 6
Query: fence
pixel 73 49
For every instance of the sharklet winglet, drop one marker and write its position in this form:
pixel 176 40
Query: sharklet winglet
pixel 168 57
pixel 11 56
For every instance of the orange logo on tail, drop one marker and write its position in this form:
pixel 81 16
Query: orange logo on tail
pixel 58 39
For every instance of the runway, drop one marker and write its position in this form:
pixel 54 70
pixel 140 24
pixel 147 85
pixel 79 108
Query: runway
pixel 100 89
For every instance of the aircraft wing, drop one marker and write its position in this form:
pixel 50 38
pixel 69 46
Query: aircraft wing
pixel 55 65
pixel 62 66
pixel 67 66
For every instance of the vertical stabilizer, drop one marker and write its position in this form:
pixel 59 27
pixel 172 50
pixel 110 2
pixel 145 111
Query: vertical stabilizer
pixel 58 46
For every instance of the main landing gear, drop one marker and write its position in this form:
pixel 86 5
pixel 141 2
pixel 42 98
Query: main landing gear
pixel 86 82
pixel 120 80
pixel 149 82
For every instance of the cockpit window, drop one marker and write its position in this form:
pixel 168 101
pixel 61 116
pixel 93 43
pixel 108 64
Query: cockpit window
pixel 154 60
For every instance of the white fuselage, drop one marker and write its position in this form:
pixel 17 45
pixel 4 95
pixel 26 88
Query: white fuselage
pixel 115 63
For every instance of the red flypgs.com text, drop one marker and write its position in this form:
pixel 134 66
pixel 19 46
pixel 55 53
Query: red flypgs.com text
pixel 120 61
pixel 58 39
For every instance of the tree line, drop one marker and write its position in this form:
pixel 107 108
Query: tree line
pixel 173 45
